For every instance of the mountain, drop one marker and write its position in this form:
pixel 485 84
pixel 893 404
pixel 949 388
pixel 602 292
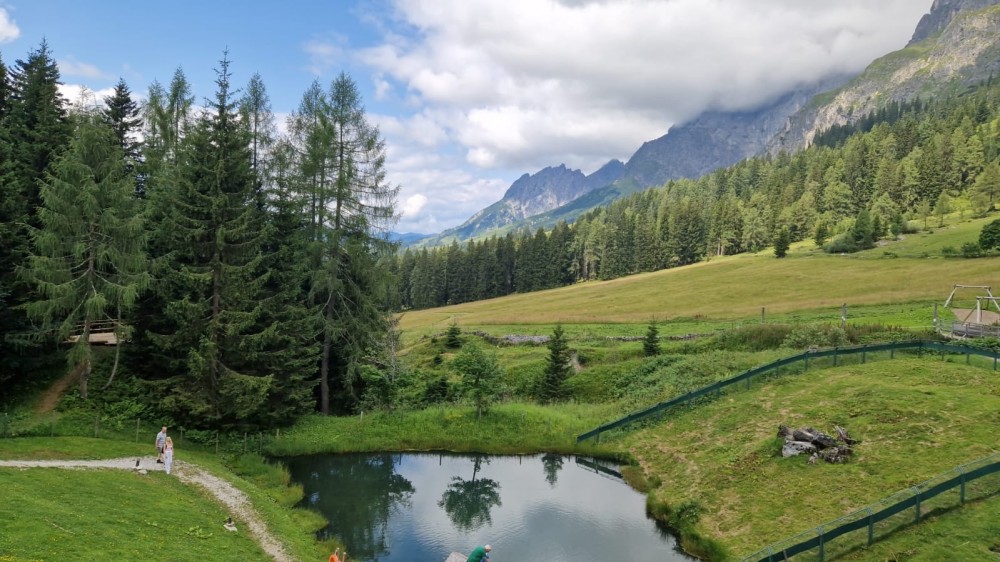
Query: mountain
pixel 531 195
pixel 955 45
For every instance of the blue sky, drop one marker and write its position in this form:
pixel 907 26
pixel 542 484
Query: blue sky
pixel 470 94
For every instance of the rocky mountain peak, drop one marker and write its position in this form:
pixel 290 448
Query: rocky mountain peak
pixel 941 14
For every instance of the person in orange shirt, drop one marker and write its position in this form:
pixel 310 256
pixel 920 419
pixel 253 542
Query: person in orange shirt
pixel 335 557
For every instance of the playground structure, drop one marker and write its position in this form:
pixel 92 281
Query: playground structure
pixel 974 322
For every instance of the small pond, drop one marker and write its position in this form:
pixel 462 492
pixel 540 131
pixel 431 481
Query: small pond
pixel 420 507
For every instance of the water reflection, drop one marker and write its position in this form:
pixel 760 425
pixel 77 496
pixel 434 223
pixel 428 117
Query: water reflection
pixel 361 509
pixel 420 507
pixel 468 502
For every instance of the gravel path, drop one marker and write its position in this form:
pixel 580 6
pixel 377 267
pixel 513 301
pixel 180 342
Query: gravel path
pixel 236 502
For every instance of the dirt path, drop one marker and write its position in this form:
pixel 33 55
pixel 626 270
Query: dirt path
pixel 236 502
pixel 52 395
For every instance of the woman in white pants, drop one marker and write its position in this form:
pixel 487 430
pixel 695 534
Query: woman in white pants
pixel 168 455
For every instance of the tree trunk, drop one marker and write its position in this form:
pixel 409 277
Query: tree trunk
pixel 324 368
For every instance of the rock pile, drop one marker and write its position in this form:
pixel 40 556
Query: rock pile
pixel 817 444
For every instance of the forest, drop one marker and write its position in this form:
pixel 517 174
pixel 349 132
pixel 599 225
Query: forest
pixel 248 270
pixel 855 185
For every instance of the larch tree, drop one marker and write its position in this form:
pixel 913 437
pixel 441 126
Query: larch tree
pixel 351 207
pixel 89 263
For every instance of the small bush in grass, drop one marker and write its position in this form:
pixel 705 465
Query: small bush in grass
pixel 816 335
pixel 843 244
pixel 753 337
pixel 971 250
pixel 949 251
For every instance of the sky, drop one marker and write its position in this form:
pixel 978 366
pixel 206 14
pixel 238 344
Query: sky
pixel 471 94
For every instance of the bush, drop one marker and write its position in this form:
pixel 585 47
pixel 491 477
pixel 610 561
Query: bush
pixel 816 335
pixel 971 250
pixel 753 337
pixel 843 244
pixel 949 251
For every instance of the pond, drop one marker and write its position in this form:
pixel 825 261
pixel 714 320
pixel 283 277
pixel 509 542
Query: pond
pixel 420 507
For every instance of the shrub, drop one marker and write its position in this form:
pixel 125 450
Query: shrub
pixel 816 335
pixel 949 251
pixel 753 337
pixel 843 244
pixel 971 250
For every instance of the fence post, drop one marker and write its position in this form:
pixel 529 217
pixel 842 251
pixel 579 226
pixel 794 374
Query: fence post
pixel 961 489
pixel 97 421
pixel 871 527
pixel 6 423
pixel 835 356
pixel 917 506
pixel 819 531
pixel 864 354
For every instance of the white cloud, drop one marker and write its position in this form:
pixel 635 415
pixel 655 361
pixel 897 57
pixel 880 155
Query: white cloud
pixel 71 67
pixel 8 27
pixel 414 204
pixel 324 55
pixel 81 96
pixel 523 84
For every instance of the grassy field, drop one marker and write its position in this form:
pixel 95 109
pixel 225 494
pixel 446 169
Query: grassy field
pixel 115 515
pixel 910 274
pixel 916 418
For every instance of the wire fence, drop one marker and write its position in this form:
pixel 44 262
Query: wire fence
pixel 854 531
pixel 797 364
pixel 108 426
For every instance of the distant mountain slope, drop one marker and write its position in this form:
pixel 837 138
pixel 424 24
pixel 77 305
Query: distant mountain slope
pixel 530 195
pixel 956 44
pixel 965 51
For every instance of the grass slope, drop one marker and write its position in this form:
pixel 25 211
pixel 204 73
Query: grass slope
pixel 916 418
pixel 909 271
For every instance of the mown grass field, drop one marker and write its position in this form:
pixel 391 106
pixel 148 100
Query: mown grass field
pixel 98 514
pixel 910 274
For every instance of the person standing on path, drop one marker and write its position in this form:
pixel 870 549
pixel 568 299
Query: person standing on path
pixel 480 554
pixel 161 440
pixel 168 454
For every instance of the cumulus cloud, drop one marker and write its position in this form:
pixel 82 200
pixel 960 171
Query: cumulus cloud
pixel 414 204
pixel 9 31
pixel 71 67
pixel 81 96
pixel 538 82
pixel 324 54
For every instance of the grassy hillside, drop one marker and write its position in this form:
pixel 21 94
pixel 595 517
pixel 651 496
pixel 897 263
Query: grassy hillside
pixel 912 272
pixel 915 418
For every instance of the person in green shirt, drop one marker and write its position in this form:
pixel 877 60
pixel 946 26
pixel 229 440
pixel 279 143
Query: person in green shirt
pixel 480 554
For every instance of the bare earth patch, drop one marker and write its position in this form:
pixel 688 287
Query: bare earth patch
pixel 236 502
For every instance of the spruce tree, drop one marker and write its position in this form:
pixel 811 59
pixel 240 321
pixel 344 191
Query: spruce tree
pixel 651 343
pixel 89 263
pixel 782 241
pixel 216 343
pixel 452 336
pixel 34 129
pixel 557 367
pixel 122 113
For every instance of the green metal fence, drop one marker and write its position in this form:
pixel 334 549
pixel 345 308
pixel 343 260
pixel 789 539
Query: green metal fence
pixel 802 360
pixel 978 479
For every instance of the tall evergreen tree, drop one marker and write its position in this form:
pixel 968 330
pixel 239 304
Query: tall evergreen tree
pixel 216 341
pixel 34 129
pixel 89 261
pixel 351 207
pixel 557 367
pixel 122 113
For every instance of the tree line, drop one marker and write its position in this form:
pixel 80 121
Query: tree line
pixel 909 161
pixel 247 272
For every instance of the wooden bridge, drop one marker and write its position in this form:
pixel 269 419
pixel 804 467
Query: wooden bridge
pixel 101 333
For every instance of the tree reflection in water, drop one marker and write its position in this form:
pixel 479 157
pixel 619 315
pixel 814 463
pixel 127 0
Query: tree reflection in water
pixel 552 464
pixel 468 502
pixel 357 494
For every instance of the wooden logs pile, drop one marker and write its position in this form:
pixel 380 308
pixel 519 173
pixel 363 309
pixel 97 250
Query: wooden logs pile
pixel 817 444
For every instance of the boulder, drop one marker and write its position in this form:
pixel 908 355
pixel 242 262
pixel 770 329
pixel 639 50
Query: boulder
pixel 792 448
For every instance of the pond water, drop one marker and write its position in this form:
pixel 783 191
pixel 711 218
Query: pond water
pixel 420 507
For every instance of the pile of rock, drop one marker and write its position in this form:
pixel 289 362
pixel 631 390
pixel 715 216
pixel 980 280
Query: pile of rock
pixel 817 444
